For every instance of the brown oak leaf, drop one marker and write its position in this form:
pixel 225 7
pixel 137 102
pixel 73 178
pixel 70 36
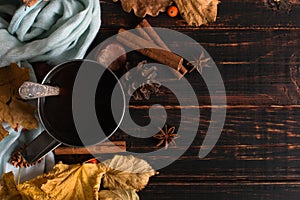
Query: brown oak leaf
pixel 13 110
pixel 198 12
pixel 143 7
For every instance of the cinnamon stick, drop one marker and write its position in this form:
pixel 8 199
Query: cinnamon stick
pixel 152 33
pixel 152 51
pixel 143 33
pixel 106 147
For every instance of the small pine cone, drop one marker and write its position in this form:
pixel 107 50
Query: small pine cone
pixel 17 159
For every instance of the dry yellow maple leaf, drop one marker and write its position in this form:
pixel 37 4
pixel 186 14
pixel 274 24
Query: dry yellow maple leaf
pixel 119 194
pixel 73 181
pixel 63 182
pixel 198 12
pixel 8 187
pixel 127 172
pixel 13 110
pixel 82 181
pixel 9 190
pixel 143 7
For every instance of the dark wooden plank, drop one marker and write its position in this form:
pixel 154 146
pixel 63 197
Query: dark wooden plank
pixel 222 190
pixel 256 157
pixel 249 134
pixel 235 47
pixel 258 153
pixel 252 75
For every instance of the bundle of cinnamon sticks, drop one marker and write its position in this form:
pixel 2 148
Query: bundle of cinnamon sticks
pixel 149 43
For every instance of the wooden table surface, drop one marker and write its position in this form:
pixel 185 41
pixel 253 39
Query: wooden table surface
pixel 258 153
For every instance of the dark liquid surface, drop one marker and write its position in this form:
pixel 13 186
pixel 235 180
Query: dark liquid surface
pixel 56 111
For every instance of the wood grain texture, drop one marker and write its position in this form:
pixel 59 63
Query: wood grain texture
pixel 258 153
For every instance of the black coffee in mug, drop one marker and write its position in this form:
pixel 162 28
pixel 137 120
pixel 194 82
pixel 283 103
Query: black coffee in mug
pixel 56 112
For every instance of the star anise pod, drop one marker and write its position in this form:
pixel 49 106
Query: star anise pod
pixel 166 136
pixel 201 62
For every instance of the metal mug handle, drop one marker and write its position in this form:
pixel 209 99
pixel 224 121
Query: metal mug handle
pixel 39 147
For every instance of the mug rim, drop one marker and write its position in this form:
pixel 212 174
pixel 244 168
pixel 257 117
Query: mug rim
pixel 39 101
